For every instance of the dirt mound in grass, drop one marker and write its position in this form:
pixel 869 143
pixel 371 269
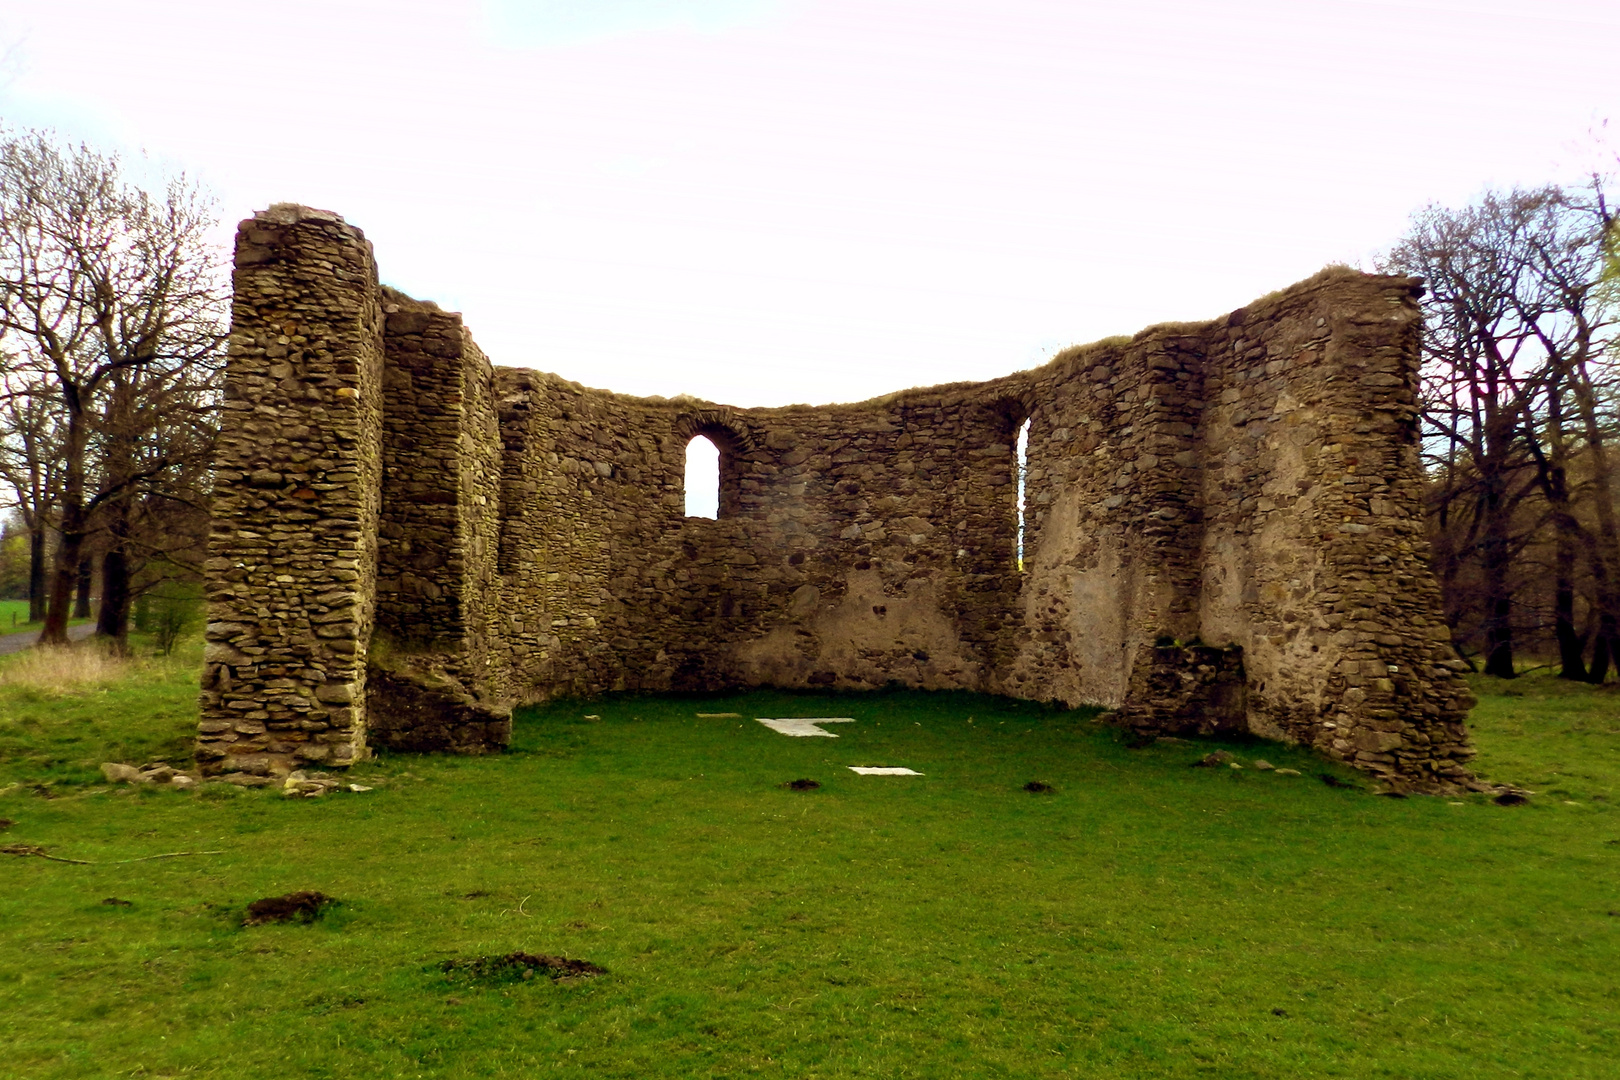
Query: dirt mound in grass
pixel 1039 787
pixel 518 967
pixel 801 785
pixel 302 907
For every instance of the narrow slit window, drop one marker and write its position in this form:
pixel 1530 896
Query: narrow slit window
pixel 1023 473
pixel 702 478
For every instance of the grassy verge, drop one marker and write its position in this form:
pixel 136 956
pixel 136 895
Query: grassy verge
pixel 1555 737
pixel 1145 919
pixel 14 618
pixel 59 719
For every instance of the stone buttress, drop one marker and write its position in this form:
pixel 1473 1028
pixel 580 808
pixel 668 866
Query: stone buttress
pixel 293 549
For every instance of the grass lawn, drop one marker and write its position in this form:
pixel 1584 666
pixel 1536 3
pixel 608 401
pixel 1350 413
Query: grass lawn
pixel 14 617
pixel 1146 919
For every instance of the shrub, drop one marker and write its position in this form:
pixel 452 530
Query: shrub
pixel 167 610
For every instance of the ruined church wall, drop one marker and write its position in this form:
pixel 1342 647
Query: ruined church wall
pixel 422 558
pixel 1114 524
pixel 1223 529
pixel 438 590
pixel 857 545
pixel 1314 558
pixel 885 536
pixel 1250 482
pixel 292 548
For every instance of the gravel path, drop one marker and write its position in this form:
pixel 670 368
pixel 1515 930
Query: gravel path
pixel 10 643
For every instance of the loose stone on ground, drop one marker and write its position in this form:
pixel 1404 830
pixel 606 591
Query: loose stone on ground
pixel 156 773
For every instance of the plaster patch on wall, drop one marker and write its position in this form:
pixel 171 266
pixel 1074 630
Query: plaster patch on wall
pixel 870 636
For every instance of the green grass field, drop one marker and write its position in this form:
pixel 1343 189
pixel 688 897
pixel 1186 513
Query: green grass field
pixel 1146 919
pixel 14 617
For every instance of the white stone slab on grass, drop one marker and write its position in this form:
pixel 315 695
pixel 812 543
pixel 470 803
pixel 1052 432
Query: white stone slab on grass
pixel 802 726
pixel 882 770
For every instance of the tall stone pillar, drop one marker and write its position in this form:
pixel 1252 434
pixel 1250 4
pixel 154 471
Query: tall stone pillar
pixel 293 549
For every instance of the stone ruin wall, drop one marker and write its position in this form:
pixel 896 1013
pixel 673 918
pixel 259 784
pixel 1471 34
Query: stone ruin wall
pixel 1223 530
pixel 297 492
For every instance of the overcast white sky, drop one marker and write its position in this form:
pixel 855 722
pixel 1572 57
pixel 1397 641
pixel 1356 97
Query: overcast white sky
pixel 773 201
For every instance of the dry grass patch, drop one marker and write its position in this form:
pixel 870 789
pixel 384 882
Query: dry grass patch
pixel 64 711
pixel 67 668
pixel 88 666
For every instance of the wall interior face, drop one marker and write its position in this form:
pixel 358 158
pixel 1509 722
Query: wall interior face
pixel 1223 530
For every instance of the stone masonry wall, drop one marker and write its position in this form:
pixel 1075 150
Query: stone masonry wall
pixel 832 562
pixel 293 548
pixel 1314 556
pixel 437 590
pixel 1223 532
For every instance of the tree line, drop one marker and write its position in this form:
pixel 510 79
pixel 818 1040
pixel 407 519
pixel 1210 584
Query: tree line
pixel 1521 423
pixel 113 317
pixel 114 314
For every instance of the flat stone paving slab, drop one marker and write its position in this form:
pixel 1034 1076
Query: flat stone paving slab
pixel 802 726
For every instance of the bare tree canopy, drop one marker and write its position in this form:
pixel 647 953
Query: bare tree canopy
pixel 112 316
pixel 1519 411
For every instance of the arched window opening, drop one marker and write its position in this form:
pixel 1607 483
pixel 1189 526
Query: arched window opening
pixel 702 478
pixel 1023 472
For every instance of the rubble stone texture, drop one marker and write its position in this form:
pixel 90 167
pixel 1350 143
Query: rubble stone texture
pixel 1224 530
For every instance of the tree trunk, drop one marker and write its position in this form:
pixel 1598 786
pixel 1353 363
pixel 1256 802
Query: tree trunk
pixel 1604 549
pixel 113 622
pixel 118 463
pixel 1497 567
pixel 1499 639
pixel 1567 543
pixel 1598 624
pixel 1551 454
pixel 1571 646
pixel 74 521
pixel 1600 659
pixel 36 572
pixel 65 577
pixel 81 601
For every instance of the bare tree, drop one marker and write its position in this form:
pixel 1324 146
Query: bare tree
pixel 113 302
pixel 30 436
pixel 156 449
pixel 1475 368
pixel 1582 343
pixel 1518 356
